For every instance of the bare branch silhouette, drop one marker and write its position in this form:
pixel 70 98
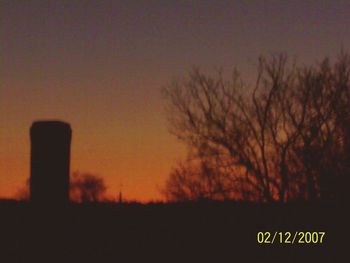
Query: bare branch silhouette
pixel 286 138
pixel 86 188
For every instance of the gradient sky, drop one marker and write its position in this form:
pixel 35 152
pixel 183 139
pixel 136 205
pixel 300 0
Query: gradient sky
pixel 100 65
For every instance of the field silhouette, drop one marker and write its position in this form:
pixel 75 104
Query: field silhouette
pixel 181 232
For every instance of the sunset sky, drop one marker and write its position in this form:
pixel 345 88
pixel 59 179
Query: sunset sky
pixel 100 66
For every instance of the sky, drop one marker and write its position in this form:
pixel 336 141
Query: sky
pixel 100 65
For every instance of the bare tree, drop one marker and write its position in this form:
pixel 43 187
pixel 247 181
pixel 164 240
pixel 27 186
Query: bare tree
pixel 85 188
pixel 262 143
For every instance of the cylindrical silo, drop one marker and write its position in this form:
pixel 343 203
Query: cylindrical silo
pixel 49 162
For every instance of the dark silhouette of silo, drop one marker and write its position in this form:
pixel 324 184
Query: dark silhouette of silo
pixel 49 162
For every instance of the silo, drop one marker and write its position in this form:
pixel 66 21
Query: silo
pixel 49 162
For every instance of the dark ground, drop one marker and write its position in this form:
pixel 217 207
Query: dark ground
pixel 205 232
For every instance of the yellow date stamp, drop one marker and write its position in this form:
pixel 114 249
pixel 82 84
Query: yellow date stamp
pixel 296 237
